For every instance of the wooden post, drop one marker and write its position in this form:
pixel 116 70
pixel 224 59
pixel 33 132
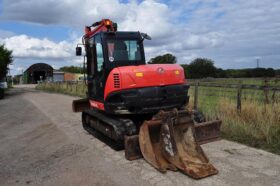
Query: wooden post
pixel 239 95
pixel 274 91
pixel 266 91
pixel 196 95
pixel 83 88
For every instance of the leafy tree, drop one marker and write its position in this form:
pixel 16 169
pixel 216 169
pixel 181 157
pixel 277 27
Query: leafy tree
pixel 277 72
pixel 186 70
pixel 220 73
pixel 6 59
pixel 201 68
pixel 251 72
pixel 164 59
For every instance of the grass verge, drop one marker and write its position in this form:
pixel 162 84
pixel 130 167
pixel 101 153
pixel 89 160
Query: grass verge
pixel 73 89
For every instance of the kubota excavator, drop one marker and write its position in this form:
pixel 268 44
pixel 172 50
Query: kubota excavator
pixel 140 106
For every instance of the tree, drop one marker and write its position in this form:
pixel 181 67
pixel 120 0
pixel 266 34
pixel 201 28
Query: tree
pixel 251 72
pixel 164 59
pixel 220 73
pixel 201 68
pixel 6 59
pixel 277 72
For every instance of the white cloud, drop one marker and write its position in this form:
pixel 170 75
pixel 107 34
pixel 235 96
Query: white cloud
pixel 24 46
pixel 29 50
pixel 225 31
pixel 149 17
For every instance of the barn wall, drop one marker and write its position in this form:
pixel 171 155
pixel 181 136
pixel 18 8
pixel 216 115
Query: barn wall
pixel 69 76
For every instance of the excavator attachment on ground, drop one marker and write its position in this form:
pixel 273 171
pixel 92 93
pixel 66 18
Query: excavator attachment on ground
pixel 169 141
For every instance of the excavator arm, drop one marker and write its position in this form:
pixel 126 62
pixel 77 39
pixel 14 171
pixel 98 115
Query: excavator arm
pixel 104 25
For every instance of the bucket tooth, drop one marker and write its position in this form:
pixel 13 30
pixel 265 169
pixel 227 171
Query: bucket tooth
pixel 168 142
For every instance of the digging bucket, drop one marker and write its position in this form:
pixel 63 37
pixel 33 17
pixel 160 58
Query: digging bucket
pixel 168 142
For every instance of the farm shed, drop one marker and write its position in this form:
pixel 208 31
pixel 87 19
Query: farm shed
pixel 37 72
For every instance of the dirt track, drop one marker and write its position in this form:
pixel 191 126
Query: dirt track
pixel 42 143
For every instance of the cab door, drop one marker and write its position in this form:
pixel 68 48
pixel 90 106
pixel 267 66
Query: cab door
pixel 95 64
pixel 99 70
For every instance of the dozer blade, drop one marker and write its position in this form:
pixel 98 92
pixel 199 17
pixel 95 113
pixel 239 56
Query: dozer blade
pixel 208 131
pixel 80 105
pixel 168 140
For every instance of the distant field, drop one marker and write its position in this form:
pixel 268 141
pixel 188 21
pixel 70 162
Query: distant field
pixel 257 125
pixel 246 81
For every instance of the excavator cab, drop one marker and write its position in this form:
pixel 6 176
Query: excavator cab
pixel 108 50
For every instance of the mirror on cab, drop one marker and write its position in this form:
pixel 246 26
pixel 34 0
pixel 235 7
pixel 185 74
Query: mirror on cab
pixel 146 36
pixel 78 51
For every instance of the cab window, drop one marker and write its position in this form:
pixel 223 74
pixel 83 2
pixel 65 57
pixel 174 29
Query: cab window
pixel 99 54
pixel 123 50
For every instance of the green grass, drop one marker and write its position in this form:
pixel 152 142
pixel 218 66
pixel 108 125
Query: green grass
pixel 245 81
pixel 74 89
pixel 258 124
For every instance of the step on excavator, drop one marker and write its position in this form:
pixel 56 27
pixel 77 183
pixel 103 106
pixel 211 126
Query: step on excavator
pixel 141 107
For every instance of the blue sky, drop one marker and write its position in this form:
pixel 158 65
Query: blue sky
pixel 234 33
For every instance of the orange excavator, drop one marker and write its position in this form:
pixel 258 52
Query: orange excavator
pixel 141 107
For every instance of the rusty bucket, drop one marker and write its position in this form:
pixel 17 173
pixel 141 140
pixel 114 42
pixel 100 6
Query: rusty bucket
pixel 168 142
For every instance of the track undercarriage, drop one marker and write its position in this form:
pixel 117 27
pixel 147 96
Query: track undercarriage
pixel 167 140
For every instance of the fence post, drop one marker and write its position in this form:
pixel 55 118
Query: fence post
pixel 266 91
pixel 83 88
pixel 274 91
pixel 239 94
pixel 196 95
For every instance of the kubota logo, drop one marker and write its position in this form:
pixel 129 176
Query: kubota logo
pixel 160 70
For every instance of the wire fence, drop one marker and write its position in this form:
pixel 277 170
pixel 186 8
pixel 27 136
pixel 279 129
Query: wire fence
pixel 264 92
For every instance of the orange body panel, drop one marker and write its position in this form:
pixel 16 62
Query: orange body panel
pixel 130 77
